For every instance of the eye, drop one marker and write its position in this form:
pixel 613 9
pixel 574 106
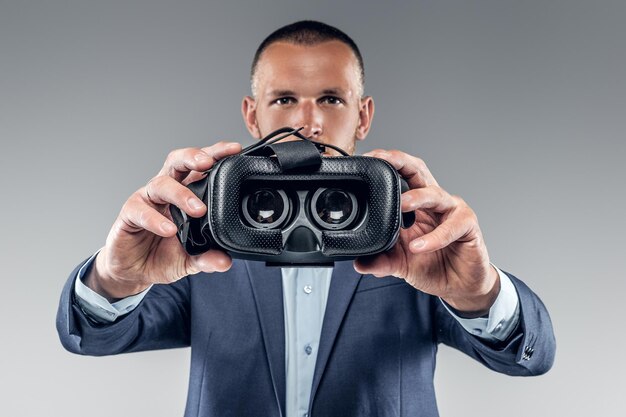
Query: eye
pixel 282 101
pixel 331 100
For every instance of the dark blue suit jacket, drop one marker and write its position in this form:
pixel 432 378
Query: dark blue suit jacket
pixel 377 348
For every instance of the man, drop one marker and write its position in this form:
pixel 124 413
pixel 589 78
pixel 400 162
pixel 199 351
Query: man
pixel 300 341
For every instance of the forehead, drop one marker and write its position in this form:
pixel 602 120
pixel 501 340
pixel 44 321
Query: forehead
pixel 327 64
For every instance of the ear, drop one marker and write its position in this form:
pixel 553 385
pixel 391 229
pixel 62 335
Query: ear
pixel 248 110
pixel 366 114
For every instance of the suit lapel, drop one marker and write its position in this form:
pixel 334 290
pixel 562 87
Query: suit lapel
pixel 267 288
pixel 343 283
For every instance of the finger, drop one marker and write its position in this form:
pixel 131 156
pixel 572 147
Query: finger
pixel 210 261
pixel 166 190
pixel 427 198
pixel 232 149
pixel 136 216
pixel 379 265
pixel 193 177
pixel 222 149
pixel 412 169
pixel 180 162
pixel 457 227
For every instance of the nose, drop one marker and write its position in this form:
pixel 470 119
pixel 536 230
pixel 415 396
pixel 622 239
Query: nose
pixel 310 118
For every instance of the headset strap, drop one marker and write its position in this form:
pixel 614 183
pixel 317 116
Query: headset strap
pixel 297 154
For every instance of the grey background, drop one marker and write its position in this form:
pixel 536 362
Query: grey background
pixel 517 106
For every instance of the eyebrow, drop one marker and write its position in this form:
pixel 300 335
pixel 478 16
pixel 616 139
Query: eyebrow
pixel 330 91
pixel 334 91
pixel 278 93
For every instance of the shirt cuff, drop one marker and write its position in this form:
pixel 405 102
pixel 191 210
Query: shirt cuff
pixel 96 306
pixel 503 314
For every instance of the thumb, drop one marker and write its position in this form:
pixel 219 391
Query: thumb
pixel 378 265
pixel 210 261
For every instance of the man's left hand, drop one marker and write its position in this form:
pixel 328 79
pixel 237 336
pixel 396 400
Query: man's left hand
pixel 443 252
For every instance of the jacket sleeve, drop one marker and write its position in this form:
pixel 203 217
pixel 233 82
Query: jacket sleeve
pixel 530 349
pixel 160 321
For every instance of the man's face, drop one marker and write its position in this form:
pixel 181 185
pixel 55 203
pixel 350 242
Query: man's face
pixel 316 87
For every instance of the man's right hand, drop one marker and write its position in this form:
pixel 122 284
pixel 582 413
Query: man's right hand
pixel 142 247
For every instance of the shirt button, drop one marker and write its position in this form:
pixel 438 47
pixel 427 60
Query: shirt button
pixel 477 332
pixel 308 289
pixel 498 327
pixel 308 349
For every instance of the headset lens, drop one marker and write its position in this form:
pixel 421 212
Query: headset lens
pixel 335 208
pixel 266 207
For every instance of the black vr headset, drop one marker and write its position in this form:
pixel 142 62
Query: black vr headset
pixel 286 204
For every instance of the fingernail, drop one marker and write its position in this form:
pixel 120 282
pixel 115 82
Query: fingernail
pixel 168 227
pixel 194 203
pixel 418 244
pixel 406 198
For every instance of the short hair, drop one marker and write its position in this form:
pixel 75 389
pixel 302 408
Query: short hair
pixel 307 33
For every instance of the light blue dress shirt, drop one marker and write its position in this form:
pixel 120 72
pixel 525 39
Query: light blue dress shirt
pixel 305 293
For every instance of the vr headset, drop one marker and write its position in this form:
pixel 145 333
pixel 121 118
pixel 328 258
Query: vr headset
pixel 286 204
